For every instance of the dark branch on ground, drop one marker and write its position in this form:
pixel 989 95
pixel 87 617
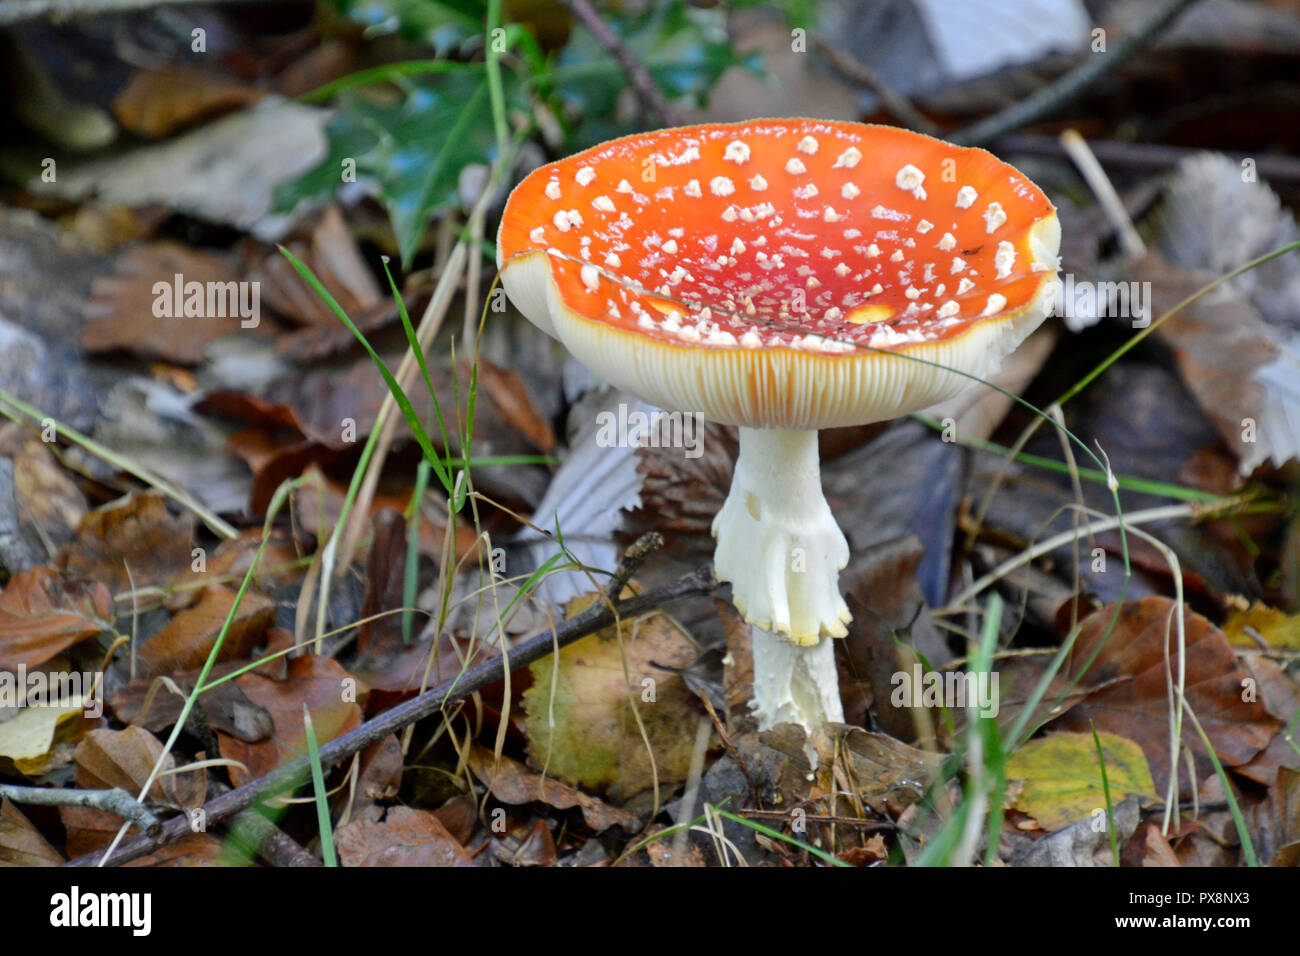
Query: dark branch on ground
pixel 1070 86
pixel 600 615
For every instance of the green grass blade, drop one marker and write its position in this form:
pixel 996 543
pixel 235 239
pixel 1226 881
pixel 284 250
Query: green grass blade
pixel 322 797
pixel 1105 789
pixel 399 396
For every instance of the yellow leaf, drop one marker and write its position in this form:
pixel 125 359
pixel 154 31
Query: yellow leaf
pixel 27 738
pixel 1062 777
pixel 1275 627
pixel 596 740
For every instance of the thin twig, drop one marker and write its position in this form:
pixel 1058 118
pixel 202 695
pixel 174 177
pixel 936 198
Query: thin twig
pixel 895 104
pixel 1144 157
pixel 1076 147
pixel 820 818
pixel 115 801
pixel 647 90
pixel 1070 86
pixel 437 699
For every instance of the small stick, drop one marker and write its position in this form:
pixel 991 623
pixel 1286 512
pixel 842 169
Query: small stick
pixel 1070 86
pixel 435 700
pixel 647 90
pixel 115 801
pixel 1077 149
pixel 821 818
pixel 1144 157
pixel 895 104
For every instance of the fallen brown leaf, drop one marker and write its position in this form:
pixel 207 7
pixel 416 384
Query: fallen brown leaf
pixel 155 103
pixel 42 614
pixel 1135 704
pixel 186 640
pixel 405 837
pixel 330 693
pixel 120 312
pixel 513 783
pixel 21 844
pixel 135 532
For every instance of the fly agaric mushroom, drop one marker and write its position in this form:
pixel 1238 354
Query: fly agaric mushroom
pixel 781 276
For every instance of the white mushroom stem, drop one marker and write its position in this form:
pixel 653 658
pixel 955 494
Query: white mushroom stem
pixel 794 684
pixel 781 550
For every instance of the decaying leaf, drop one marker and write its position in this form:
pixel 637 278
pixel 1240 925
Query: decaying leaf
pixel 405 837
pixel 126 311
pixel 40 505
pixel 1062 776
pixel 583 725
pixel 42 614
pixel 125 758
pixel 513 783
pixel 187 639
pixel 330 693
pixel 157 102
pixel 21 844
pixel 135 533
pixel 1134 701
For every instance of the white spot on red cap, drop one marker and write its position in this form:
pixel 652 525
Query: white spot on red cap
pixel 736 152
pixel 721 186
pixel 585 176
pixel 805 192
pixel 997 302
pixel 757 183
pixel 795 166
pixel 1004 259
pixel 924 226
pixel 964 286
pixel 612 260
pixel 850 191
pixel 848 159
pixel 669 247
pixel 623 186
pixel 994 217
pixel 909 179
pixel 603 203
pixel 561 220
pixel 948 242
pixel 807 145
pixel 737 247
pixel 693 189
pixel 553 189
pixel 966 197
pixel 948 308
pixel 958 263
pixel 590 277
pixel 538 235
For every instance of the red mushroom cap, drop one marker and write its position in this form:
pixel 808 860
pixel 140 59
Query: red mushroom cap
pixel 778 273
